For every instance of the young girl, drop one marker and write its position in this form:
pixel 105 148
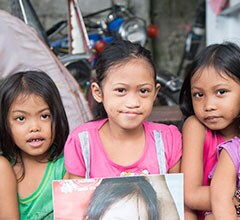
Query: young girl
pixel 210 100
pixel 120 142
pixel 8 195
pixel 33 130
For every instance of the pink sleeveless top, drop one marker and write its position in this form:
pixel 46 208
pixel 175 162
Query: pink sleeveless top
pixel 212 140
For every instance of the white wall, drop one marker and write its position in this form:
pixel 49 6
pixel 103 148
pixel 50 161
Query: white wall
pixel 223 27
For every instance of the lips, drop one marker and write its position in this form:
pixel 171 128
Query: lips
pixel 212 118
pixel 132 113
pixel 35 142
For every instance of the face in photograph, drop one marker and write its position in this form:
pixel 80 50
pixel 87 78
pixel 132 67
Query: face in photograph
pixel 131 207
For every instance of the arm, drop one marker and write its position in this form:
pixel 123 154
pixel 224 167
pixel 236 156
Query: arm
pixel 74 161
pixel 173 150
pixel 8 195
pixel 176 168
pixel 190 214
pixel 66 176
pixel 223 186
pixel 197 197
pixel 72 176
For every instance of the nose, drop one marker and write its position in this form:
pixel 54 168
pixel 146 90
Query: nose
pixel 209 104
pixel 32 130
pixel 132 101
pixel 34 127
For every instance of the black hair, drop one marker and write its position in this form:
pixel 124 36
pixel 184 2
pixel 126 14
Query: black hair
pixel 40 84
pixel 224 57
pixel 111 190
pixel 116 53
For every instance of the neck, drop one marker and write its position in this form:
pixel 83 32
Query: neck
pixel 231 131
pixel 120 133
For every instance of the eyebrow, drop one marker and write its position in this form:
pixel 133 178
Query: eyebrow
pixel 215 86
pixel 125 84
pixel 25 112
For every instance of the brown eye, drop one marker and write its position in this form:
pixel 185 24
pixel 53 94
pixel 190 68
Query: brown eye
pixel 144 91
pixel 221 91
pixel 20 118
pixel 45 116
pixel 121 90
pixel 197 95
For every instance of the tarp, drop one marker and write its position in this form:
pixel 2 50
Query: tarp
pixel 21 49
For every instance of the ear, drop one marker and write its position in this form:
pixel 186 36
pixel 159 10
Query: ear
pixel 96 92
pixel 158 86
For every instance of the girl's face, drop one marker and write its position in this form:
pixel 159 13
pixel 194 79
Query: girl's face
pixel 128 93
pixel 30 123
pixel 216 100
pixel 127 208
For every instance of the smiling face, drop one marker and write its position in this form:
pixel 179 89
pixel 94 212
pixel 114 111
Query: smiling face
pixel 127 93
pixel 30 123
pixel 215 99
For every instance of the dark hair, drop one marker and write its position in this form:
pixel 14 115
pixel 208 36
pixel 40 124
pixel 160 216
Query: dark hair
pixel 118 52
pixel 40 84
pixel 111 190
pixel 225 58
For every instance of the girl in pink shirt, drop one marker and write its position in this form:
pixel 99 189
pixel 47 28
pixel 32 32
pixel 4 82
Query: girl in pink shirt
pixel 120 142
pixel 210 101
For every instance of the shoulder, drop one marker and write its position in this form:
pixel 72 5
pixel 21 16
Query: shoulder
pixel 236 141
pixel 171 144
pixel 169 133
pixel 59 160
pixel 88 126
pixel 194 137
pixel 58 168
pixel 193 121
pixel 231 145
pixel 4 163
pixel 192 124
pixel 151 126
pixel 6 169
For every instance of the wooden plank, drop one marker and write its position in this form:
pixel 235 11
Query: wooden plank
pixel 166 114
